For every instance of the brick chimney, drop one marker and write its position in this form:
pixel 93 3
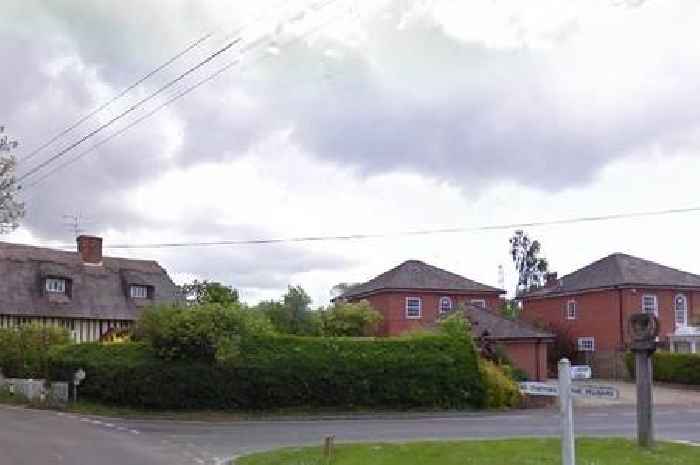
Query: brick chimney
pixel 550 279
pixel 90 249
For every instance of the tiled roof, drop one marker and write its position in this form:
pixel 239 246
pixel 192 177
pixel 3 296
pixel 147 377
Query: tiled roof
pixel 97 291
pixel 489 324
pixel 417 275
pixel 619 270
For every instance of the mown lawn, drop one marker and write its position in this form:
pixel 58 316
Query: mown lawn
pixel 496 452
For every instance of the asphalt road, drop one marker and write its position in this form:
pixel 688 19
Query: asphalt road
pixel 48 438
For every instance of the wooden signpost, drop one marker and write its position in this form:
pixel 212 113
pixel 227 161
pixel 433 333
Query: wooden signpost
pixel 644 329
pixel 565 390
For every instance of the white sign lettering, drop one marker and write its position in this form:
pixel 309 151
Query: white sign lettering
pixel 597 392
pixel 539 389
pixel 581 372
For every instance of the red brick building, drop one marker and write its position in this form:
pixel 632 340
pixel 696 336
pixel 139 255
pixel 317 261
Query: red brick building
pixel 591 306
pixel 415 294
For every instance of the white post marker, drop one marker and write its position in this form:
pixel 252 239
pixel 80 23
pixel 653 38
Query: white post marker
pixel 568 456
pixel 566 392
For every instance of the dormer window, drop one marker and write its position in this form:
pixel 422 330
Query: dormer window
pixel 138 292
pixel 56 285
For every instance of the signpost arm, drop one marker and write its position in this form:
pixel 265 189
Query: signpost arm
pixel 567 415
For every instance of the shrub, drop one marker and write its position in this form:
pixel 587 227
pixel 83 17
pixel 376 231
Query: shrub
pixel 284 371
pixel 351 319
pixel 501 389
pixel 202 332
pixel 24 350
pixel 672 367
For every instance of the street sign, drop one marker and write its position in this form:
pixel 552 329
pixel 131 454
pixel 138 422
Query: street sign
pixel 580 372
pixel 539 389
pixel 595 392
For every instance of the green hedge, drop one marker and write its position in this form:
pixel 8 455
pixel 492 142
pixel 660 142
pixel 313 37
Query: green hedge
pixel 275 372
pixel 672 367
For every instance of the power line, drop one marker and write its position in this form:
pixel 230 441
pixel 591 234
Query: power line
pixel 177 96
pixel 424 232
pixel 130 109
pixel 121 94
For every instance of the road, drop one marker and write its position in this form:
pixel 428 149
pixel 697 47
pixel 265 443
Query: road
pixel 32 437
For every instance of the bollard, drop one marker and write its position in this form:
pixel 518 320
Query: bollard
pixel 328 448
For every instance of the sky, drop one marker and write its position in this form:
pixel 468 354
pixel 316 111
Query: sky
pixel 352 117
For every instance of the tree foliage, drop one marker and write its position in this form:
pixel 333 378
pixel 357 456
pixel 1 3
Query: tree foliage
pixel 531 267
pixel 207 332
pixel 350 319
pixel 24 350
pixel 209 292
pixel 11 209
pixel 292 315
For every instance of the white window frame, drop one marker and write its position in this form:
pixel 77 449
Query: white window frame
pixel 481 303
pixel 138 295
pixel 586 344
pixel 55 285
pixel 447 308
pixel 571 304
pixel 683 323
pixel 656 304
pixel 420 308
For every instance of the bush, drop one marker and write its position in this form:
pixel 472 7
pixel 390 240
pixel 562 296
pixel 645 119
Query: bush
pixel 202 332
pixel 351 319
pixel 672 367
pixel 283 371
pixel 501 390
pixel 24 350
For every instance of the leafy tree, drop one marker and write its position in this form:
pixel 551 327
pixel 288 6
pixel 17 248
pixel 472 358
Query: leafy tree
pixel 341 288
pixel 292 315
pixel 530 266
pixel 208 332
pixel 206 292
pixel 351 319
pixel 11 210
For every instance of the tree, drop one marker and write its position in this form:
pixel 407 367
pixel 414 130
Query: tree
pixel 205 292
pixel 340 288
pixel 350 319
pixel 11 210
pixel 292 315
pixel 530 266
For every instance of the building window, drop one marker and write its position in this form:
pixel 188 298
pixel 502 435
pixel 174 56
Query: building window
pixel 571 310
pixel 413 307
pixel 138 292
pixel 445 304
pixel 586 344
pixel 56 285
pixel 650 304
pixel 680 306
pixel 481 303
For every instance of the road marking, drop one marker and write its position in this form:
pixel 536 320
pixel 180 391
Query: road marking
pixel 133 431
pixel 109 425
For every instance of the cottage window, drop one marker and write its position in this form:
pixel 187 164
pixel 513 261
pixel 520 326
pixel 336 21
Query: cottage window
pixel 413 307
pixel 445 304
pixel 56 285
pixel 571 310
pixel 586 344
pixel 650 304
pixel 681 310
pixel 138 292
pixel 481 303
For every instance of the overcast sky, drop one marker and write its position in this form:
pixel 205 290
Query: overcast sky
pixel 361 117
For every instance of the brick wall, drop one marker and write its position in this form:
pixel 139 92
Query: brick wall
pixel 392 306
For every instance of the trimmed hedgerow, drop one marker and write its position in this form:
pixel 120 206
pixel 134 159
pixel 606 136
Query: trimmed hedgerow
pixel 276 372
pixel 672 367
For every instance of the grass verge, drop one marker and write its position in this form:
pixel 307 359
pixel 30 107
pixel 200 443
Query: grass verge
pixel 490 452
